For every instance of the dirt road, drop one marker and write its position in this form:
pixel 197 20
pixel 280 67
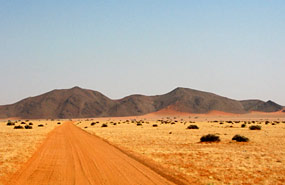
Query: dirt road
pixel 71 156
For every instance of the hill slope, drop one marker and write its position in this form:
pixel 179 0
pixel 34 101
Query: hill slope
pixel 258 105
pixel 67 103
pixel 81 103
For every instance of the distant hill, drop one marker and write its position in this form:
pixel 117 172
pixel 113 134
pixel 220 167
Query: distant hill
pixel 67 103
pixel 261 106
pixel 82 103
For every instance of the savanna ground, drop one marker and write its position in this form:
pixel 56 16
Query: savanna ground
pixel 259 161
pixel 173 147
pixel 18 145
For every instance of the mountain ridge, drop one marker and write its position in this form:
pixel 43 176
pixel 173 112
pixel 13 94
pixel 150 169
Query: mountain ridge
pixel 77 102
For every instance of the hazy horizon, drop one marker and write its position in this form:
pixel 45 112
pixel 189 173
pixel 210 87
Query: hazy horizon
pixel 233 49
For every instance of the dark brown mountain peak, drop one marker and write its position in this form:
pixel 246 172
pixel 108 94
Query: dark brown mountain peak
pixel 180 90
pixel 77 102
pixel 76 87
pixel 271 102
pixel 258 105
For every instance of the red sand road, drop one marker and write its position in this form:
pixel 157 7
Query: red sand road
pixel 72 156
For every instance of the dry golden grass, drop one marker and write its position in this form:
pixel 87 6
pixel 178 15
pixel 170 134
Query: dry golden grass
pixel 18 145
pixel 260 161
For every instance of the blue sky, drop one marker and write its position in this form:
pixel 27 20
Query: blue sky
pixel 232 48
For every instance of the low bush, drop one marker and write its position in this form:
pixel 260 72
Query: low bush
pixel 58 123
pixel 192 127
pixel 154 125
pixel 31 123
pixel 210 138
pixel 104 125
pixel 243 125
pixel 255 127
pixel 28 127
pixel 240 138
pixel 40 125
pixel 139 124
pixel 93 123
pixel 18 127
pixel 10 124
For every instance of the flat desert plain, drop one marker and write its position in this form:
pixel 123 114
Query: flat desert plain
pixel 172 146
pixel 164 144
pixel 18 145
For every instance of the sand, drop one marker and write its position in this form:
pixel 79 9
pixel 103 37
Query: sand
pixel 18 145
pixel 72 156
pixel 260 161
pixel 69 155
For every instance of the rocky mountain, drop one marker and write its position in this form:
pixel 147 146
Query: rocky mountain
pixel 82 103
pixel 261 106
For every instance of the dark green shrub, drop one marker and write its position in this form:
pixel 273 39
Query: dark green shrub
pixel 240 138
pixel 255 127
pixel 192 127
pixel 210 138
pixel 243 125
pixel 58 123
pixel 40 125
pixel 139 124
pixel 30 123
pixel 93 123
pixel 154 125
